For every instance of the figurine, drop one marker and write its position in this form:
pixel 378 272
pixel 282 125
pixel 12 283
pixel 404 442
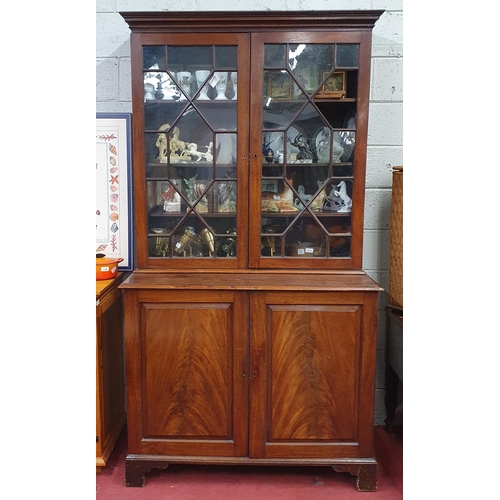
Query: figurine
pixel 267 151
pixel 342 193
pixel 192 150
pixel 333 201
pixel 226 201
pixel 171 199
pixel 162 144
pixel 301 143
pixel 279 202
pixel 303 197
pixel 323 145
pixel 176 146
pixel 194 191
pixel 338 200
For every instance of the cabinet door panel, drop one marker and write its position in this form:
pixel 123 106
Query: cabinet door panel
pixel 186 370
pixel 307 364
pixel 314 354
pixel 191 377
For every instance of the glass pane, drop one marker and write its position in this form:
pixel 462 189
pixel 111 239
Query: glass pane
pixel 158 246
pixel 160 87
pixel 156 116
pixel 154 58
pixel 347 55
pixel 308 63
pixel 225 196
pixel 277 85
pixel 226 58
pixel 195 190
pixel 340 247
pixel 221 117
pixel 281 198
pixel 273 150
pixel 339 197
pixel 189 59
pixel 225 148
pixel 306 238
pixel 202 76
pixel 274 56
pixel 280 114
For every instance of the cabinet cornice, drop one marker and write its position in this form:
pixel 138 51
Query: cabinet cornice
pixel 217 21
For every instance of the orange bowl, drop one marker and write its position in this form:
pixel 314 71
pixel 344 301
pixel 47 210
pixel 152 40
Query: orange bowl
pixel 106 268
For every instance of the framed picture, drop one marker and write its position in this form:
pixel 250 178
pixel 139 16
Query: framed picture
pixel 271 186
pixel 114 234
pixel 279 85
pixel 334 86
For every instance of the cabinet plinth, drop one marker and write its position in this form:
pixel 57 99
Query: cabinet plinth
pixel 250 328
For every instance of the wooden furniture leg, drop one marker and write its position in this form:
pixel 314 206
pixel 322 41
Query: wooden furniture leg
pixel 366 473
pixel 135 470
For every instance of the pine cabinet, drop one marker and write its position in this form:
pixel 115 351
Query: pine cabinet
pixel 249 325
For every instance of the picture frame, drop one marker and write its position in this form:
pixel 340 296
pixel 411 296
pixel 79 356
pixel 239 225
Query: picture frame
pixel 114 232
pixel 271 186
pixel 279 85
pixel 334 85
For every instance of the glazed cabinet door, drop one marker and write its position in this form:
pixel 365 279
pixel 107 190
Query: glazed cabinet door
pixel 191 149
pixel 309 108
pixel 186 373
pixel 312 389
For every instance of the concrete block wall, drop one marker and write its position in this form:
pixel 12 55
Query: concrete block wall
pixel 385 131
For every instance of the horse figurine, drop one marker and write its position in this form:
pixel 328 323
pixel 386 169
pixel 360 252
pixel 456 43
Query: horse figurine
pixel 176 146
pixel 342 194
pixel 192 151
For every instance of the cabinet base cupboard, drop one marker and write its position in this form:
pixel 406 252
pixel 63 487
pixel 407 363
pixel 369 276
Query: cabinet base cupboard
pixel 250 328
pixel 251 368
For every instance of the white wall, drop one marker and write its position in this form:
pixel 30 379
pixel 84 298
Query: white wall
pixel 385 132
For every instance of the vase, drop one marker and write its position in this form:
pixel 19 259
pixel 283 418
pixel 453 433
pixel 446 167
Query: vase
pixel 184 81
pixel 201 76
pixel 235 85
pixel 149 89
pixel 229 93
pixel 221 85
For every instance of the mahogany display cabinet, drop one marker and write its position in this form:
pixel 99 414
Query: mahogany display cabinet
pixel 250 327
